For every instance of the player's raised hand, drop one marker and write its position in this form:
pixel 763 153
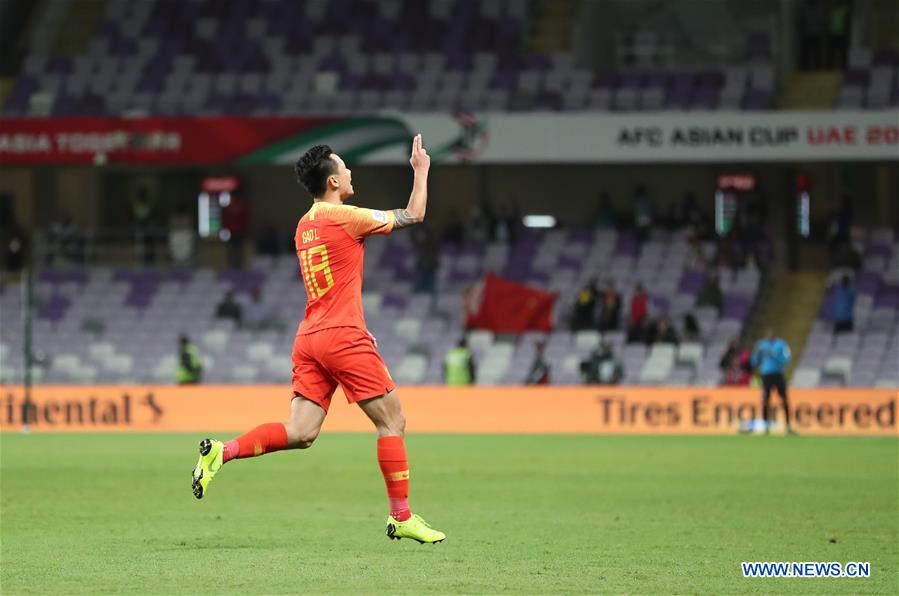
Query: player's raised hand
pixel 420 160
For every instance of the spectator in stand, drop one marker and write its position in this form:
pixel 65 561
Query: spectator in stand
pixel 427 260
pixel 690 213
pixel 190 367
pixel 228 308
pixel 610 308
pixel 15 244
pixel 267 242
pixel 479 228
pixel 846 256
pixel 730 252
pixel 812 23
pixel 602 368
pixel 711 294
pixel 258 314
pixel 843 309
pixel 735 364
pixel 637 334
pixel 692 333
pixel 701 232
pixel 142 210
pixel 839 228
pixel 605 217
pixel 65 242
pixel 539 374
pixel 838 43
pixel 643 213
pixel 584 308
pixel 458 365
pixel 661 331
pixel 752 262
pixel 698 259
pixel 504 225
pixel 639 310
pixel 454 232
pixel 755 214
pixel 236 220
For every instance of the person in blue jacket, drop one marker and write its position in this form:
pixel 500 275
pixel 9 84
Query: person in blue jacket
pixel 770 357
pixel 843 306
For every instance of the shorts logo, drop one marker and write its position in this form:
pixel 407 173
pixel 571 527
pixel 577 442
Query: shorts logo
pixel 379 216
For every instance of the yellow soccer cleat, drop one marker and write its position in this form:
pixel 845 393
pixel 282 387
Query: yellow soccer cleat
pixel 415 528
pixel 209 464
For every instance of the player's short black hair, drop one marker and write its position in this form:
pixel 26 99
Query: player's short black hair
pixel 313 169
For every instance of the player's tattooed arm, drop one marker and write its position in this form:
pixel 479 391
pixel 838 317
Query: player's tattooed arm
pixel 403 219
pixel 418 201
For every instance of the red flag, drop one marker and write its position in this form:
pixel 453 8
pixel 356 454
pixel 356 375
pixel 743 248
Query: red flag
pixel 503 306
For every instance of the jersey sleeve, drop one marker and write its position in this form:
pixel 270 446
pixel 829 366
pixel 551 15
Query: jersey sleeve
pixel 360 222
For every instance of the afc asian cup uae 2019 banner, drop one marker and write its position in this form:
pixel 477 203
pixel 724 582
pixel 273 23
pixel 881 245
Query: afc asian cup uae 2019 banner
pixel 460 138
pixel 555 410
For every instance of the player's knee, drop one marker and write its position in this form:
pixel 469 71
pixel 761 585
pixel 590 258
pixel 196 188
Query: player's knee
pixel 306 438
pixel 300 437
pixel 396 425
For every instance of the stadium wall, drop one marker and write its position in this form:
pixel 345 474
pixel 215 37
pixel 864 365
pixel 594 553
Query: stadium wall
pixel 575 410
pixel 101 197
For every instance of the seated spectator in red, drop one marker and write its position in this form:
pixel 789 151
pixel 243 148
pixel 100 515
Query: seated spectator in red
pixel 610 308
pixel 539 374
pixel 735 364
pixel 636 326
pixel 639 307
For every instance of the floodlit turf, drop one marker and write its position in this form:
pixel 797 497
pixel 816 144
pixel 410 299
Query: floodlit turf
pixel 535 514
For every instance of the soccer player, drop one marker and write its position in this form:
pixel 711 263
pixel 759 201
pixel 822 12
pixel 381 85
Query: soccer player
pixel 772 355
pixel 333 346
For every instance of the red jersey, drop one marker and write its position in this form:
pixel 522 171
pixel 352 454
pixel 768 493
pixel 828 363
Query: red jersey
pixel 329 244
pixel 639 305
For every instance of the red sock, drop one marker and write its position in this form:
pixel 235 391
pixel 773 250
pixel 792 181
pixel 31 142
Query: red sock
pixel 265 438
pixel 395 468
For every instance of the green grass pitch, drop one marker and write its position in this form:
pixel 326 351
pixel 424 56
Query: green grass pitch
pixel 533 514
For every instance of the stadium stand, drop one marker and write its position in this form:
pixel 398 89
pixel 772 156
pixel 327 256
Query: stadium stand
pixel 277 57
pixel 105 325
pixel 871 80
pixel 280 57
pixel 868 356
pixel 209 58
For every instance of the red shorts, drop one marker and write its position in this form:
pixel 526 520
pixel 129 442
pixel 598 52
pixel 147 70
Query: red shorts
pixel 344 356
